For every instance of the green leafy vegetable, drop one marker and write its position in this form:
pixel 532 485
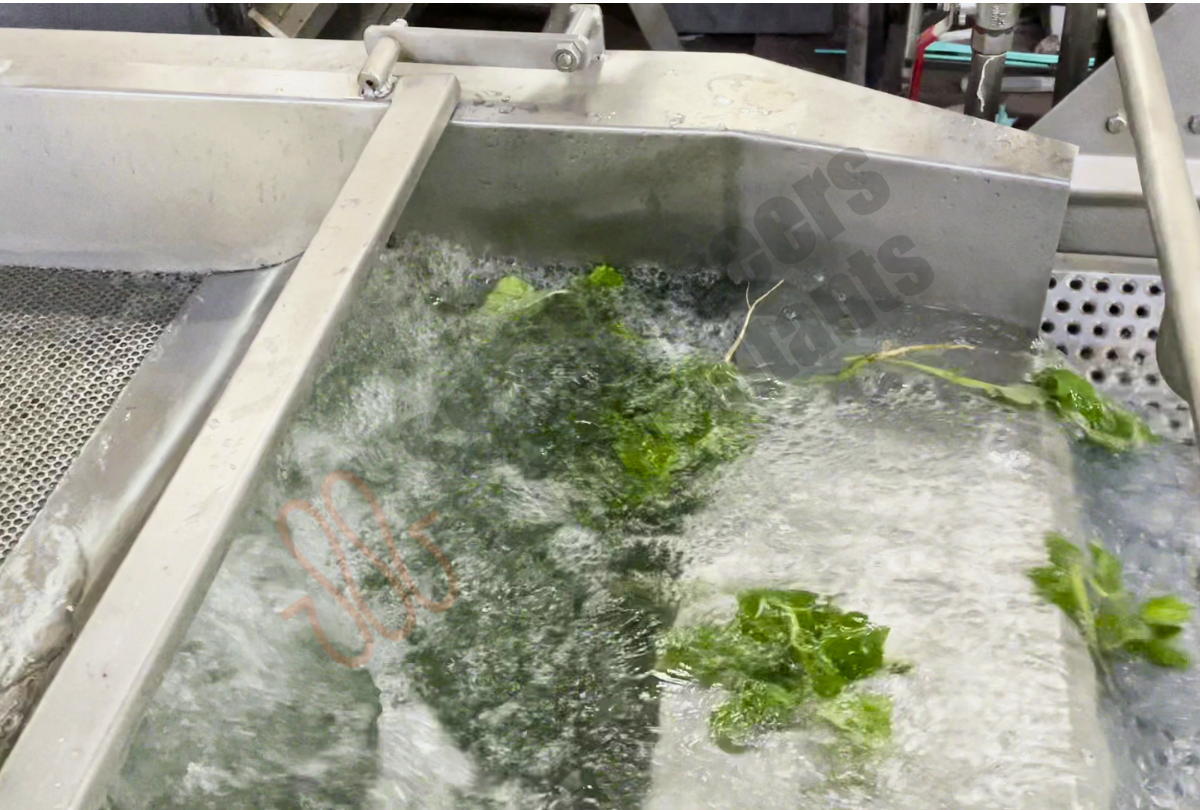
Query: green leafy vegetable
pixel 1088 589
pixel 510 294
pixel 865 719
pixel 1064 393
pixel 632 431
pixel 1074 400
pixel 513 294
pixel 539 669
pixel 605 276
pixel 535 424
pixel 787 657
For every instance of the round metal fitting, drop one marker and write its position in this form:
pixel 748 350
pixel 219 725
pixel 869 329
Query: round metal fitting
pixel 1115 124
pixel 566 59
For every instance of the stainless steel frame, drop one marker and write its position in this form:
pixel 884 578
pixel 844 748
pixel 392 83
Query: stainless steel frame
pixel 1107 214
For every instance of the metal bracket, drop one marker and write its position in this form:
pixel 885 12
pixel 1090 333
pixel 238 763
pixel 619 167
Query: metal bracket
pixel 577 48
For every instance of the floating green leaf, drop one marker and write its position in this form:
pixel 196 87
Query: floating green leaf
pixel 787 657
pixel 510 294
pixel 605 276
pixel 864 718
pixel 1064 393
pixel 1165 611
pixel 1091 593
pixel 1074 400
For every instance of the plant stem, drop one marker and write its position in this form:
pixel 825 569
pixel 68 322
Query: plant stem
pixel 949 376
pixel 856 362
pixel 749 313
pixel 903 350
pixel 1087 619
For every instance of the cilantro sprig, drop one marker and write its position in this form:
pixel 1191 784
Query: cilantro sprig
pixel 1088 588
pixel 786 658
pixel 1071 398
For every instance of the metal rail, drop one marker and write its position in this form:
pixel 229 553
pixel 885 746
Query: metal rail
pixel 75 739
pixel 1174 218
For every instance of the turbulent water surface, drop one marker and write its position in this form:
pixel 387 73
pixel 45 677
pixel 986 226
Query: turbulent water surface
pixel 535 689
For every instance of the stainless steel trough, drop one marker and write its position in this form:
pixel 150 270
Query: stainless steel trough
pixel 254 172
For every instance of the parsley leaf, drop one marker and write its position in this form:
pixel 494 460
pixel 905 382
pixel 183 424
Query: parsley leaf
pixel 1089 590
pixel 1071 398
pixel 633 433
pixel 786 658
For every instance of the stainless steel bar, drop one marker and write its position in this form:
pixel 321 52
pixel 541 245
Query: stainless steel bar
pixel 912 33
pixel 656 26
pixel 990 42
pixel 583 19
pixel 556 21
pixel 73 743
pixel 1080 27
pixel 514 49
pixel 912 30
pixel 377 71
pixel 856 43
pixel 1174 217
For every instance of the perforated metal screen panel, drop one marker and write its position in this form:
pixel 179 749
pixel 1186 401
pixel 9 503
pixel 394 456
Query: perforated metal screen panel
pixel 1107 325
pixel 69 342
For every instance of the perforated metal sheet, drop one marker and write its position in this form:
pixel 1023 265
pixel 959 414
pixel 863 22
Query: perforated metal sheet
pixel 69 342
pixel 1107 324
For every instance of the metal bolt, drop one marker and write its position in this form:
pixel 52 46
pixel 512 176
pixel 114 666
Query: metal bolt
pixel 565 59
pixel 1194 125
pixel 1115 124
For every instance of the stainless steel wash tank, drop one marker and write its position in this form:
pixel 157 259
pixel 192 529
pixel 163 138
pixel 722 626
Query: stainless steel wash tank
pixel 227 157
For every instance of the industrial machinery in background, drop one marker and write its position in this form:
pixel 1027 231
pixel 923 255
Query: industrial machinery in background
pixel 1005 48
pixel 253 185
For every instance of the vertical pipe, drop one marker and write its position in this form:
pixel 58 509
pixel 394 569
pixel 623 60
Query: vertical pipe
pixel 1167 188
pixel 856 43
pixel 990 43
pixel 912 30
pixel 1078 44
pixel 984 85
